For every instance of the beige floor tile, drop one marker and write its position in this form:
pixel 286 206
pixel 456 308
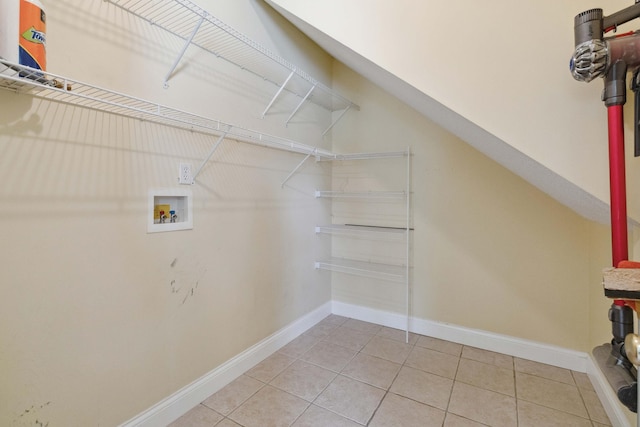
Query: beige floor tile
pixel 372 370
pixel 321 330
pixel 596 424
pixel 233 395
pixel 227 423
pixel 300 345
pixel 532 415
pixel 269 407
pixel 433 361
pixel 423 387
pixel 303 379
pixel 330 356
pixel 349 338
pixel 440 345
pixel 334 319
pixel 545 371
pixel 486 356
pixel 483 406
pixel 582 380
pixel 388 349
pixel 594 407
pixel 267 370
pixel 200 416
pixel 453 420
pixel 489 377
pixel 399 411
pixel 351 399
pixel 551 394
pixel 397 335
pixel 359 325
pixel 316 416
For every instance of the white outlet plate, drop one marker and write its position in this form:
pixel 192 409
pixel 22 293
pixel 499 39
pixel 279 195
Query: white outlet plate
pixel 184 174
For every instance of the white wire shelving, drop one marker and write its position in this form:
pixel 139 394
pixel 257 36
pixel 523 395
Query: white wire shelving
pixel 379 271
pixel 393 273
pixel 366 156
pixel 390 234
pixel 57 88
pixel 197 27
pixel 361 194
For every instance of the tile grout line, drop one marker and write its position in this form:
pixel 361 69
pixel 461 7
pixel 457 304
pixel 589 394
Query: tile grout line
pixel 388 390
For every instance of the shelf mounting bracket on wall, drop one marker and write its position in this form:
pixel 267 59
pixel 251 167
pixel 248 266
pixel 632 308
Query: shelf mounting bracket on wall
pixel 300 104
pixel 183 51
pixel 213 150
pixel 314 151
pixel 264 113
pixel 336 120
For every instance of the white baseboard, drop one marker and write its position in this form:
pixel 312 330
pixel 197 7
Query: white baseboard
pixel 178 404
pixel 525 349
pixel 615 411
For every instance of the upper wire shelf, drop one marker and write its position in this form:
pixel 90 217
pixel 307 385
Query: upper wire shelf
pixel 196 26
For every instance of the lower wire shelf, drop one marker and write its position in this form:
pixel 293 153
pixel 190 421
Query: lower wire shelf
pixel 394 273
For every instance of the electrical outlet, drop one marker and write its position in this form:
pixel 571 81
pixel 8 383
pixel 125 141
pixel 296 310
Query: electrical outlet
pixel 184 174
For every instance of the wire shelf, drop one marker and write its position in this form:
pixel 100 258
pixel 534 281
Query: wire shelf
pixel 362 231
pixel 394 273
pixel 367 156
pixel 380 195
pixel 196 26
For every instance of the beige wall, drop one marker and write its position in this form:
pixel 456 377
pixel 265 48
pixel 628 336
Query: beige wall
pixel 100 320
pixel 490 251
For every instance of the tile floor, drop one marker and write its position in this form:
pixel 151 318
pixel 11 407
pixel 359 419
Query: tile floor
pixel 348 373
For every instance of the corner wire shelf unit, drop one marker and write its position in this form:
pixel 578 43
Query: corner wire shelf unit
pixel 195 26
pixel 390 272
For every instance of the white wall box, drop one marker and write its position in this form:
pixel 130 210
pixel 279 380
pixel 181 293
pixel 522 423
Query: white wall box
pixel 170 209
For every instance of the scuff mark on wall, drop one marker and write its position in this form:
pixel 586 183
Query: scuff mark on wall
pixel 27 416
pixel 185 278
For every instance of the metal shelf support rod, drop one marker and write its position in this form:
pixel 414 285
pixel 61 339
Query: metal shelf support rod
pixel 300 104
pixel 314 151
pixel 408 248
pixel 183 51
pixel 213 149
pixel 278 93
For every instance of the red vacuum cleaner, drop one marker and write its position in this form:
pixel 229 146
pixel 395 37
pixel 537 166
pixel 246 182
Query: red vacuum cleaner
pixel 612 58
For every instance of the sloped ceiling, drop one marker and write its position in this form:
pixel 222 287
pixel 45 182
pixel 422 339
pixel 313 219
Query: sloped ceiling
pixel 585 199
